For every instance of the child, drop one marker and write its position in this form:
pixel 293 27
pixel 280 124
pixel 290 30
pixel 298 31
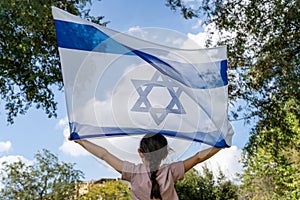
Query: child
pixel 149 180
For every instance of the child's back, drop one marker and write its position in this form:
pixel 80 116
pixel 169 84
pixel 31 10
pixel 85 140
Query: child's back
pixel 149 180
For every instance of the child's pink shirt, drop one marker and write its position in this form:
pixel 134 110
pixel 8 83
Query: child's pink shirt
pixel 138 176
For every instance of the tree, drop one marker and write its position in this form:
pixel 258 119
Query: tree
pixel 272 158
pixel 45 178
pixel 108 190
pixel 262 42
pixel 263 51
pixel 29 61
pixel 197 186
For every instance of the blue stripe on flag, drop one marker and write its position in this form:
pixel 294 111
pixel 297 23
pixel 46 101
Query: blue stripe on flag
pixel 211 138
pixel 86 37
pixel 223 71
pixel 186 73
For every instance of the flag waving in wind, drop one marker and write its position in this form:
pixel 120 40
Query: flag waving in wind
pixel 119 85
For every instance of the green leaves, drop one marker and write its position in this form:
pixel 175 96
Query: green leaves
pixel 29 60
pixel 263 55
pixel 205 186
pixel 46 178
pixel 108 190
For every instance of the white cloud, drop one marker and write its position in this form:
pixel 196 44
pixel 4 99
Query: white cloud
pixel 135 31
pixel 11 159
pixel 178 40
pixel 63 122
pixel 210 32
pixel 14 158
pixel 202 37
pixel 5 146
pixel 226 160
pixel 162 36
pixel 69 147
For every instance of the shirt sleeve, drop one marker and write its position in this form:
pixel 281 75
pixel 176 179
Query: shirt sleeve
pixel 177 169
pixel 128 171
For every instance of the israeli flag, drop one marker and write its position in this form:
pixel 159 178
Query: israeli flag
pixel 119 85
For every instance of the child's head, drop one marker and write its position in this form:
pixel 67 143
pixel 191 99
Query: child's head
pixel 154 148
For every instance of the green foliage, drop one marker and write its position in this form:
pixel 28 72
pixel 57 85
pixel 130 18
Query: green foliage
pixel 186 11
pixel 263 46
pixel 263 51
pixel 272 169
pixel 108 190
pixel 29 60
pixel 46 178
pixel 197 186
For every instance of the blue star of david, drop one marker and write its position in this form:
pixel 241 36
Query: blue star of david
pixel 144 87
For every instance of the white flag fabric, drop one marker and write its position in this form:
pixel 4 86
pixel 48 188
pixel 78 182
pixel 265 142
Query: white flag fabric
pixel 119 85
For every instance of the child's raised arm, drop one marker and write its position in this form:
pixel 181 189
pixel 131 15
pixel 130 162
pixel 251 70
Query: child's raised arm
pixel 199 157
pixel 103 154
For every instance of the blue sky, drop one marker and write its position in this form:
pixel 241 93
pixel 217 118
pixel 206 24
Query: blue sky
pixel 34 131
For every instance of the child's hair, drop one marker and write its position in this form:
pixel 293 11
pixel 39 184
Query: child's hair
pixel 154 147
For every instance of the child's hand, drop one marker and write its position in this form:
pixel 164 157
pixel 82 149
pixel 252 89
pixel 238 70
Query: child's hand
pixel 76 141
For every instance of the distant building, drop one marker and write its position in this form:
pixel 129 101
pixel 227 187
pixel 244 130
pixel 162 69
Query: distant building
pixel 84 186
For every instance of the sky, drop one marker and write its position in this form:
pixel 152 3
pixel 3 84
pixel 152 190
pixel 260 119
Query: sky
pixel 33 131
